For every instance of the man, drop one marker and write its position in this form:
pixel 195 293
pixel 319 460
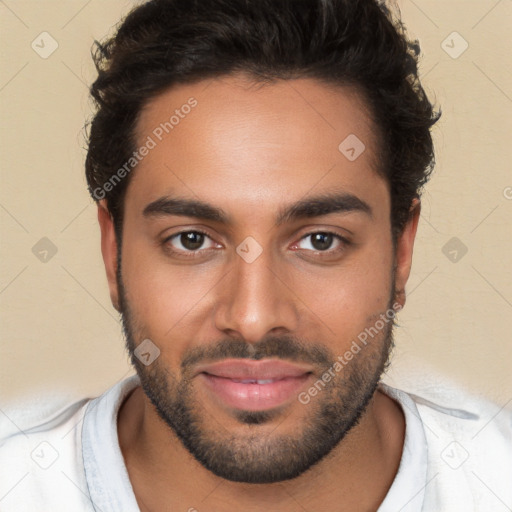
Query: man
pixel 257 167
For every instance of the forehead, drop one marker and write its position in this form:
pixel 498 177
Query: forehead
pixel 236 143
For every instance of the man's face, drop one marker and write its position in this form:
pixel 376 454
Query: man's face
pixel 254 273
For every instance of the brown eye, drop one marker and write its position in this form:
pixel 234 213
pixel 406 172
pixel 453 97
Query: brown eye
pixel 192 240
pixel 189 241
pixel 320 241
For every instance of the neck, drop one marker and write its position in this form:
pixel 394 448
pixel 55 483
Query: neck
pixel 355 475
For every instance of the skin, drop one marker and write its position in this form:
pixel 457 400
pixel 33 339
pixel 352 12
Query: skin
pixel 252 151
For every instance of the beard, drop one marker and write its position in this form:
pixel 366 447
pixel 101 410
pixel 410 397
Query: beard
pixel 252 455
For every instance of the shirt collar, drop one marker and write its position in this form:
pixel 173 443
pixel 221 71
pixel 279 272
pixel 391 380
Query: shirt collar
pixel 407 492
pixel 110 488
pixel 106 475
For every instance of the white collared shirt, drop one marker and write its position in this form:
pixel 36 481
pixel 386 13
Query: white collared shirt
pixel 453 459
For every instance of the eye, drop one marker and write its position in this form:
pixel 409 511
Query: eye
pixel 321 241
pixel 190 241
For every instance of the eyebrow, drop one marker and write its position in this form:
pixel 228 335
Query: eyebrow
pixel 306 208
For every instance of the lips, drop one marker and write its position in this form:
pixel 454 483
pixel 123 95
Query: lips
pixel 269 369
pixel 253 385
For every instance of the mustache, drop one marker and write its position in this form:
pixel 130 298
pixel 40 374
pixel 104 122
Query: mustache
pixel 282 347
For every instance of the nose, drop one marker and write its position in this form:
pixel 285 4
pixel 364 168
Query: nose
pixel 256 301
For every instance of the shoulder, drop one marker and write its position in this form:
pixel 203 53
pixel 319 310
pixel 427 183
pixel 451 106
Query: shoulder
pixel 467 427
pixel 469 447
pixel 41 464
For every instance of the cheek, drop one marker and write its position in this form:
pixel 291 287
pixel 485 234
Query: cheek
pixel 167 301
pixel 348 298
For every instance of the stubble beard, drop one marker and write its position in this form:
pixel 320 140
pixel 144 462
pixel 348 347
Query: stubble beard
pixel 254 456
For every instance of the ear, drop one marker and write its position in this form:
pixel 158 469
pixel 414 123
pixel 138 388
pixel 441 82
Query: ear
pixel 109 250
pixel 404 249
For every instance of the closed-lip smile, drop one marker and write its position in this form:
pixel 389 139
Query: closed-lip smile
pixel 253 385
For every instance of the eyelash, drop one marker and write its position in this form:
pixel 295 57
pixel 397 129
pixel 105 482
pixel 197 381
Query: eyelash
pixel 186 254
pixel 344 243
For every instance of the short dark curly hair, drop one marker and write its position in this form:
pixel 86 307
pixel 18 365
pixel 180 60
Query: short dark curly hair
pixel 355 43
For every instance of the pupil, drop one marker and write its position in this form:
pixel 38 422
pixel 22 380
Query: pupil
pixel 192 240
pixel 322 241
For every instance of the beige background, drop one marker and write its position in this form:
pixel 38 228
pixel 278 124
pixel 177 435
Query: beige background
pixel 59 333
